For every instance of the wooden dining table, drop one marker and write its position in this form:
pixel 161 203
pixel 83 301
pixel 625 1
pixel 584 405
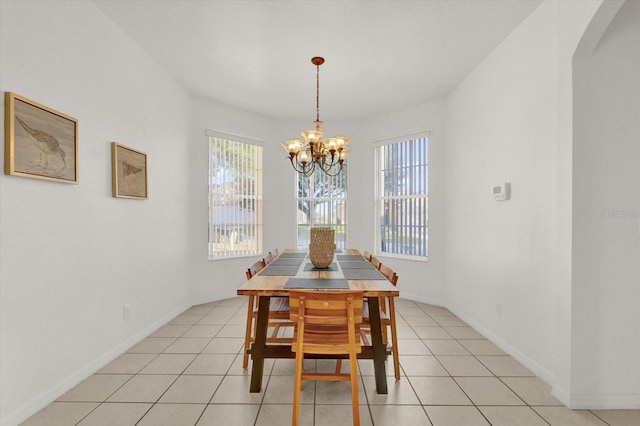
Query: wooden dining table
pixel 293 269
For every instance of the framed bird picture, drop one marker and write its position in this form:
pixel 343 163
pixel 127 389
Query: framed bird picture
pixel 129 172
pixel 40 143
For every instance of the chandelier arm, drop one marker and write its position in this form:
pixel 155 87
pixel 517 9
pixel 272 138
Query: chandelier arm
pixel 297 165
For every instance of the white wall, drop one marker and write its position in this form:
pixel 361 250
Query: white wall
pixel 219 279
pixel 418 280
pixel 510 121
pixel 71 255
pixel 607 218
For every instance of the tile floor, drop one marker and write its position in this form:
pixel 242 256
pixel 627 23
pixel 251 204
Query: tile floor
pixel 189 372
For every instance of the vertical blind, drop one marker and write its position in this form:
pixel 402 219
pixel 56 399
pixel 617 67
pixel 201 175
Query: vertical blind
pixel 235 198
pixel 403 197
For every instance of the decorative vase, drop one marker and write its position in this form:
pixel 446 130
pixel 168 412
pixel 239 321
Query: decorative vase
pixel 322 247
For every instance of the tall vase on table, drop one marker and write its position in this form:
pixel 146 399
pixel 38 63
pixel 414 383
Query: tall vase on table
pixel 322 247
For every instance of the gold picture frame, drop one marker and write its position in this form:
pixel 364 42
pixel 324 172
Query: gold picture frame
pixel 40 142
pixel 129 172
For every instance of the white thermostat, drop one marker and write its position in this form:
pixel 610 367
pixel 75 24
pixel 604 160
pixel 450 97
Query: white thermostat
pixel 502 192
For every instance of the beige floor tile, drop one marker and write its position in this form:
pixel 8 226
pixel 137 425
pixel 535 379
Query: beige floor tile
pixel 192 389
pixel 562 416
pixel 170 330
pixel 405 332
pixel 168 364
pixel 445 347
pixel 426 333
pixel 232 331
pixel 394 415
pixel 421 365
pixel 235 390
pixel 512 416
pixel 488 391
pixel 115 414
pixel 463 365
pixel 202 331
pixel 224 345
pixel 60 414
pixel 280 391
pixel 216 364
pixel 237 301
pixel 438 391
pixel 143 388
pixel 95 388
pixel 271 415
pixel 619 417
pixel 481 347
pixel 408 310
pixel 172 415
pixel 237 370
pixel 340 415
pixel 412 347
pixel 463 333
pixel 365 366
pixel 227 311
pixel 533 390
pixel 455 416
pixel 198 310
pixel 287 367
pixel 450 320
pixel 188 345
pixel 127 364
pixel 229 415
pixel 152 345
pixel 220 320
pixel 420 321
pixel 328 393
pixel 186 319
pixel 434 311
pixel 505 366
pixel 238 319
pixel 398 392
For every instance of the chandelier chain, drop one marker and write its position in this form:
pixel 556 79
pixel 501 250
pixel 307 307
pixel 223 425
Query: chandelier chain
pixel 317 92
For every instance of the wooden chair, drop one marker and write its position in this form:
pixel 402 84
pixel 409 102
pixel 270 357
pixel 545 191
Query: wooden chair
pixel 278 316
pixel 326 323
pixel 269 258
pixel 367 256
pixel 387 319
pixel 375 262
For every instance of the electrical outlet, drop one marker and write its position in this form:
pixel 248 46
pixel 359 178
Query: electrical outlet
pixel 126 311
pixel 499 309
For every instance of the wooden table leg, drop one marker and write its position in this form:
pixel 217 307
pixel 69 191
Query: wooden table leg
pixel 258 347
pixel 379 348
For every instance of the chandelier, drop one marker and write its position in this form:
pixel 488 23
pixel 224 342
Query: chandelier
pixel 311 152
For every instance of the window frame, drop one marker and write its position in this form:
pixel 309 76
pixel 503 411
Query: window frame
pixel 380 197
pixel 258 198
pixel 345 199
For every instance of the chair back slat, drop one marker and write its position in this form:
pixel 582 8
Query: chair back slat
pixel 255 268
pixel 367 256
pixel 388 274
pixel 375 262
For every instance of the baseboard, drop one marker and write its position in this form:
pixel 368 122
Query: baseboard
pixel 48 396
pixel 605 402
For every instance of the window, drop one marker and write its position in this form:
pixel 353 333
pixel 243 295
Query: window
pixel 235 197
pixel 402 197
pixel 322 201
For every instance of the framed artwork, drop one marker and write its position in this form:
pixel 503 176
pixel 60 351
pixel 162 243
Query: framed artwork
pixel 39 142
pixel 129 172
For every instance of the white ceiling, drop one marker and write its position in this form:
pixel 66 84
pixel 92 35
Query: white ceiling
pixel 380 55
